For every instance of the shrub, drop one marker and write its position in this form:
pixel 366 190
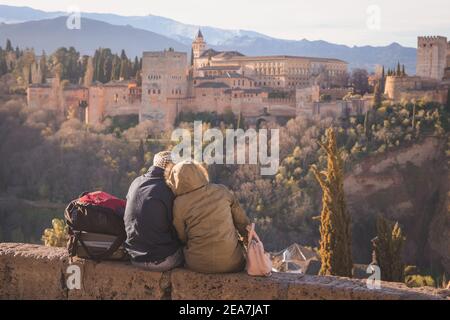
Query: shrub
pixel 56 236
pixel 417 281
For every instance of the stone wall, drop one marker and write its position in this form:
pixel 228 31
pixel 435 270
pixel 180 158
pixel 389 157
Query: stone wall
pixel 36 272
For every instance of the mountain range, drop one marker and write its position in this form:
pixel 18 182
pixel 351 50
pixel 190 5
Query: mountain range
pixel 43 30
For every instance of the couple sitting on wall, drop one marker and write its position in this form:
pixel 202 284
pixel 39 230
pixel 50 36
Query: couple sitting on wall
pixel 175 217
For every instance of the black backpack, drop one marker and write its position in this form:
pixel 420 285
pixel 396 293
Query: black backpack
pixel 92 216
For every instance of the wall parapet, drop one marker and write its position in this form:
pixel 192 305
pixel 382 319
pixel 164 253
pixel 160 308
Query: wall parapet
pixel 36 272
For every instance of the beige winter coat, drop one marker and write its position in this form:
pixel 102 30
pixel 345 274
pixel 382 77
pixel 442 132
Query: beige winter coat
pixel 206 217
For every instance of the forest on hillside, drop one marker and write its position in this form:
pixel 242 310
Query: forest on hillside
pixel 68 64
pixel 45 159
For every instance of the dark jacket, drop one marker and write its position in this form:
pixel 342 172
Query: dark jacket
pixel 148 218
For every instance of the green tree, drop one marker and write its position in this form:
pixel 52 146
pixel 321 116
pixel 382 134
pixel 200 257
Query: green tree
pixel 367 125
pixel 3 63
pixel 448 101
pixel 69 60
pixel 388 246
pixel 124 69
pixel 335 221
pixel 377 96
pixel 123 55
pixel 43 67
pixel 399 71
pixel 414 116
pixel 8 46
pixel 136 67
pixel 360 80
pixel 116 64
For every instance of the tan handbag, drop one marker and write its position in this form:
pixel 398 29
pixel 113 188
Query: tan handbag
pixel 258 261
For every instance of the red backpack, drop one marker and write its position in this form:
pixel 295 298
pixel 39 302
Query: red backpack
pixel 97 215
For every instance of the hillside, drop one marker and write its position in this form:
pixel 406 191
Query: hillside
pixel 408 185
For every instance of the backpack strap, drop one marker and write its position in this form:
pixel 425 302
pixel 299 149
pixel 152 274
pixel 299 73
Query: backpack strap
pixel 99 257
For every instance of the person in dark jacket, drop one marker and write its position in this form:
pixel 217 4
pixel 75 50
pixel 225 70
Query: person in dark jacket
pixel 152 241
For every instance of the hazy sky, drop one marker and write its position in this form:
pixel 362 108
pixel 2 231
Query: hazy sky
pixel 351 22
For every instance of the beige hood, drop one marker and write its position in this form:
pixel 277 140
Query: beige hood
pixel 186 177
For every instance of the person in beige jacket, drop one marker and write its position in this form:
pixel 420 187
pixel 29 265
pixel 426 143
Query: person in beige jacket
pixel 207 218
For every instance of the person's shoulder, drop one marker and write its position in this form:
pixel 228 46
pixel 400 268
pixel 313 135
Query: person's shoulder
pixel 220 188
pixel 138 180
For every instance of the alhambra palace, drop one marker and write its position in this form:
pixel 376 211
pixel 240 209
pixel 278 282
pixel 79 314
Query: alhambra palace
pixel 258 88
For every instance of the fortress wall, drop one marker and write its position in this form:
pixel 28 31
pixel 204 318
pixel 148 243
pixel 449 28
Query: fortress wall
pixel 36 272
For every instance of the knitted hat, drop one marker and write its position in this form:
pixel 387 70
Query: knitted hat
pixel 162 159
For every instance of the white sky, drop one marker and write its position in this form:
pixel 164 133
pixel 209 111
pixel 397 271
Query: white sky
pixel 338 21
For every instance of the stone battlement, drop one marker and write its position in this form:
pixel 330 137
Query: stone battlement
pixel 37 272
pixel 431 39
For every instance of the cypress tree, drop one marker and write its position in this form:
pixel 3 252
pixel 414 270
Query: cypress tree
pixel 138 78
pixel 123 55
pixel 3 64
pixel 116 64
pixel 399 71
pixel 388 246
pixel 95 62
pixel 8 46
pixel 107 69
pixel 448 100
pixel 43 67
pixel 403 70
pixel 335 242
pixel 136 65
pixel 124 70
pixel 141 154
pixel 377 96
pixel 367 125
pixel 89 73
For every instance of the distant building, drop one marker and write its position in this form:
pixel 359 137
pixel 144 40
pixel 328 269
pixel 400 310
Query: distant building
pixel 164 85
pixel 432 57
pixel 258 88
pixel 93 104
pixel 432 79
pixel 281 72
